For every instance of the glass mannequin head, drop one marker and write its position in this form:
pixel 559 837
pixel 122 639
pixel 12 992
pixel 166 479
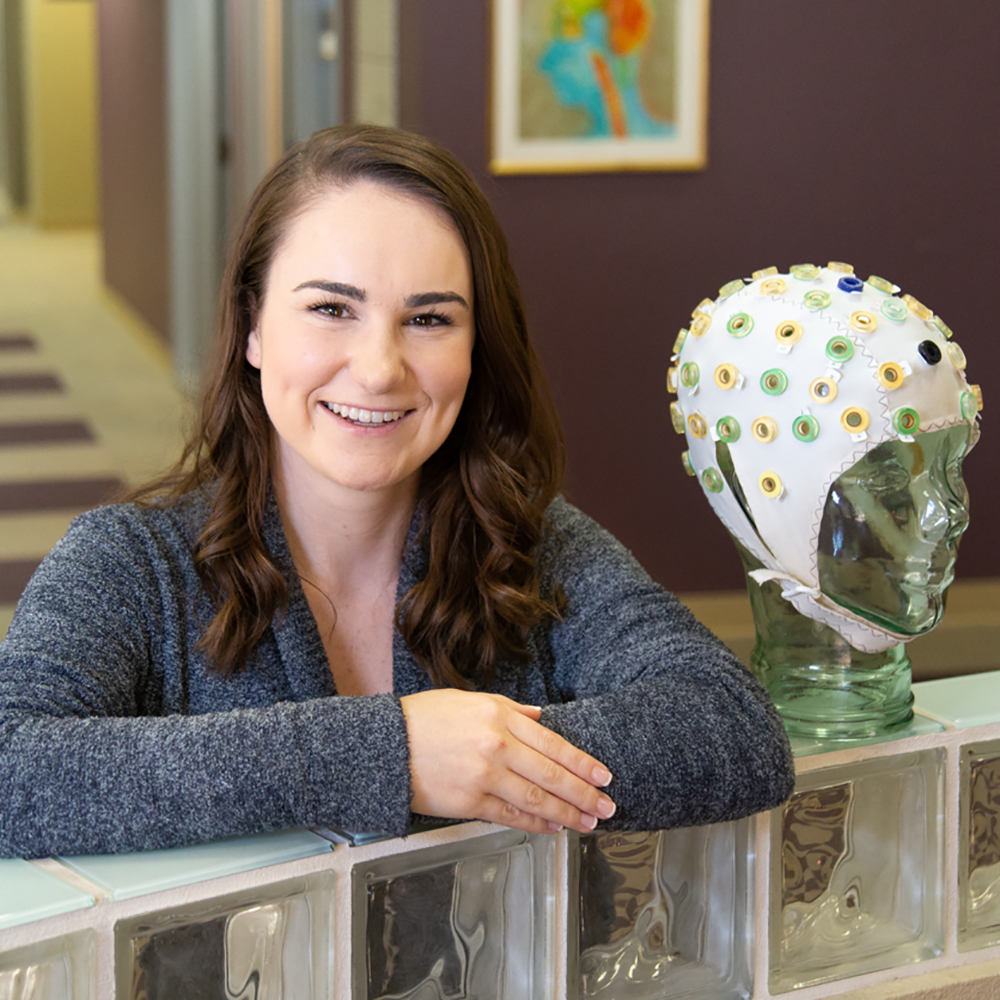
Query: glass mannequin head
pixel 891 527
pixel 826 420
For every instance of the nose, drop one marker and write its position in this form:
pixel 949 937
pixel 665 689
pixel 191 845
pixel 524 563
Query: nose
pixel 935 517
pixel 377 364
pixel 943 514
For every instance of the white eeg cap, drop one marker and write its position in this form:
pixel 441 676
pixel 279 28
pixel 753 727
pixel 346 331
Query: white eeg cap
pixel 801 375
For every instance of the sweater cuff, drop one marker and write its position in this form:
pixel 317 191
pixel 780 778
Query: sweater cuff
pixel 358 760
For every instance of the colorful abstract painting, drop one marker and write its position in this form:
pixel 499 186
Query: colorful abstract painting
pixel 581 85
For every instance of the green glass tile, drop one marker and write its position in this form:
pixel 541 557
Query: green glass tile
pixel 804 746
pixel 28 893
pixel 129 875
pixel 970 700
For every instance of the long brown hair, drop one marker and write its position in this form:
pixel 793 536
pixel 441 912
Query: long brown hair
pixel 483 494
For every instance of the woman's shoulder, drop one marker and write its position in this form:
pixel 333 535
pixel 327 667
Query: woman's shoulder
pixel 160 523
pixel 574 543
pixel 565 520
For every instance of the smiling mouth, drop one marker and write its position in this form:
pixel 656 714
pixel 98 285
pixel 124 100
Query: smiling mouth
pixel 360 416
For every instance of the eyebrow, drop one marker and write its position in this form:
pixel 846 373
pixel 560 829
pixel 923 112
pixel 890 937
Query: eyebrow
pixel 434 298
pixel 334 288
pixel 359 294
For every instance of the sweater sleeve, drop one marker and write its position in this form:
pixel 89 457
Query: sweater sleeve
pixel 688 733
pixel 90 764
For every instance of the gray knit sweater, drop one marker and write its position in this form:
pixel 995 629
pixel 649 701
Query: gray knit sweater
pixel 115 737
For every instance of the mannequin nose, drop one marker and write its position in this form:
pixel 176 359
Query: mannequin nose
pixel 942 516
pixel 935 518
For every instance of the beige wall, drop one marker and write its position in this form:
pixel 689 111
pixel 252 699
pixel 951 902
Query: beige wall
pixel 374 62
pixel 61 71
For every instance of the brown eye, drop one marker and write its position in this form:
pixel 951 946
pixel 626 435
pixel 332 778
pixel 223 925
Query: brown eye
pixel 335 310
pixel 430 319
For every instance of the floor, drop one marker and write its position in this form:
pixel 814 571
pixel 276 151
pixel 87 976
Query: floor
pixel 88 406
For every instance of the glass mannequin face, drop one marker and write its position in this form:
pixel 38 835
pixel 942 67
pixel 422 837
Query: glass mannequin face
pixel 890 531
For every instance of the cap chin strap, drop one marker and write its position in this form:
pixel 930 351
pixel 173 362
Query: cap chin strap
pixel 813 603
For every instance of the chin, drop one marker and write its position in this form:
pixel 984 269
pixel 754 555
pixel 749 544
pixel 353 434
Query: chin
pixel 375 481
pixel 921 610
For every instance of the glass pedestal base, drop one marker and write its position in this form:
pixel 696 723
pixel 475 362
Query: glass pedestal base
pixel 838 702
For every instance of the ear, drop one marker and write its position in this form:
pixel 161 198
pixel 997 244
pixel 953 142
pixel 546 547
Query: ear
pixel 253 348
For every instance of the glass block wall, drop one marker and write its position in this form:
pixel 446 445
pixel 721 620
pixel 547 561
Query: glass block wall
pixel 658 914
pixel 883 865
pixel 858 870
pixel 263 944
pixel 979 847
pixel 56 969
pixel 467 920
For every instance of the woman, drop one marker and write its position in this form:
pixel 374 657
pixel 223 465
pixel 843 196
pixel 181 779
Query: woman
pixel 358 595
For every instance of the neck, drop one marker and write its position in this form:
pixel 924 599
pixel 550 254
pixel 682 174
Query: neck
pixel 338 537
pixel 823 687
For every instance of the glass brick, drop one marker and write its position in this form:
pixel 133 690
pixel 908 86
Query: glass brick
pixel 268 943
pixel 59 969
pixel 979 850
pixel 662 914
pixel 857 870
pixel 456 922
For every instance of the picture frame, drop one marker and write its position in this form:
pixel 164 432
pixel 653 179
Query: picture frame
pixel 579 86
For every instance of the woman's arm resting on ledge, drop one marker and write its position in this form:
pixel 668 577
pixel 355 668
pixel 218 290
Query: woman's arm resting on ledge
pixel 689 734
pixel 96 758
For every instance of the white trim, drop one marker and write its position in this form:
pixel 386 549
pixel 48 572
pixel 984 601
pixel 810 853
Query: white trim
pixel 192 180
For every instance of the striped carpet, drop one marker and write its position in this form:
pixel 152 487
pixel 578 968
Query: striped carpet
pixel 51 467
pixel 88 406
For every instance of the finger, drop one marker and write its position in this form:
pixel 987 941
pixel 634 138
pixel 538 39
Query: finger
pixel 553 746
pixel 550 776
pixel 496 810
pixel 528 797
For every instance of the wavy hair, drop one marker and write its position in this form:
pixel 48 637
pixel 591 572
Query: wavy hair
pixel 483 494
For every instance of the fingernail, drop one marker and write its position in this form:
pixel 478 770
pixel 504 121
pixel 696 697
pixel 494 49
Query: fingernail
pixel 602 776
pixel 555 827
pixel 606 808
pixel 588 821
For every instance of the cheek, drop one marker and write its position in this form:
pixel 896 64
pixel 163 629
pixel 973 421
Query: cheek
pixel 460 381
pixel 451 376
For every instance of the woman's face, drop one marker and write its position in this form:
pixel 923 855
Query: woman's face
pixel 364 339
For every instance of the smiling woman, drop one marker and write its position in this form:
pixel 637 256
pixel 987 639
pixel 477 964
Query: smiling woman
pixel 359 596
pixel 334 354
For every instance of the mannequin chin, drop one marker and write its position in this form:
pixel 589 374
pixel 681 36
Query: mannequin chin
pixel 891 527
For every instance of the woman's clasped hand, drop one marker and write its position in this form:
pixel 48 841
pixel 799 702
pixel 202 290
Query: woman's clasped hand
pixel 483 756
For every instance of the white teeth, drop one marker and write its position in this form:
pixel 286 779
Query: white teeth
pixel 362 416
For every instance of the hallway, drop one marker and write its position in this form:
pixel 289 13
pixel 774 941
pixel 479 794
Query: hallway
pixel 87 400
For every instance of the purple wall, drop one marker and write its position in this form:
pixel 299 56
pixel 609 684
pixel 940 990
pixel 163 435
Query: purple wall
pixel 862 131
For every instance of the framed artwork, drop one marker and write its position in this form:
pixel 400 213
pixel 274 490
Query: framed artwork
pixel 588 85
